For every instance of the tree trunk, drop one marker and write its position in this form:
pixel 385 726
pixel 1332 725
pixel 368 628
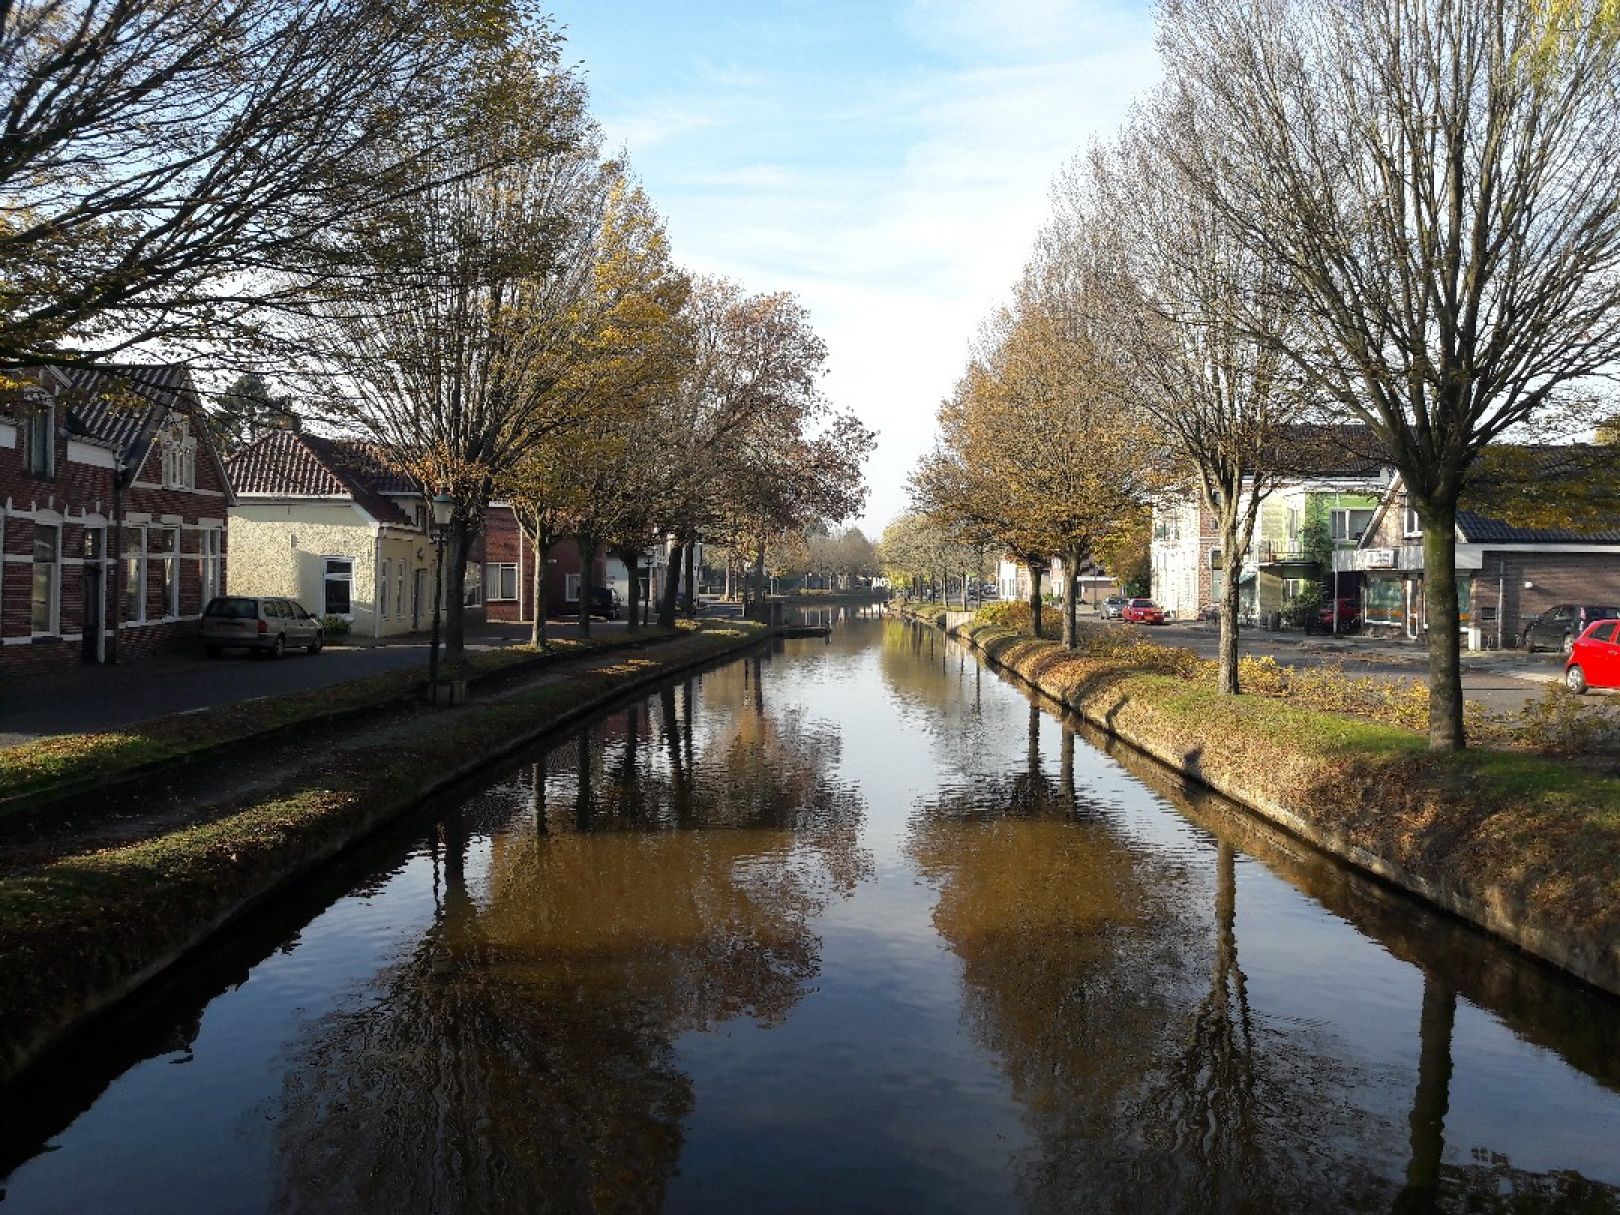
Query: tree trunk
pixel 689 560
pixel 1071 588
pixel 587 572
pixel 964 591
pixel 1035 573
pixel 457 542
pixel 1226 658
pixel 632 585
pixel 759 577
pixel 728 577
pixel 1445 641
pixel 537 631
pixel 666 601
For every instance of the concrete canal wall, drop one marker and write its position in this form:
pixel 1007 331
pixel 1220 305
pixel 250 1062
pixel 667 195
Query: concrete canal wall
pixel 1526 848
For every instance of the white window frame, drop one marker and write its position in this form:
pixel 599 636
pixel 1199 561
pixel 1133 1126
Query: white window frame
pixel 38 417
pixel 133 553
pixel 328 576
pixel 179 454
pixel 1342 515
pixel 571 588
pixel 382 589
pixel 210 560
pixel 170 559
pixel 1411 525
pixel 399 590
pixel 496 573
pixel 53 604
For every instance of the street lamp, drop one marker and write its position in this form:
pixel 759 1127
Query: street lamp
pixel 443 507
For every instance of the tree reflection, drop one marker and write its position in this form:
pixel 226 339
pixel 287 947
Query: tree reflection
pixel 522 1056
pixel 1142 1084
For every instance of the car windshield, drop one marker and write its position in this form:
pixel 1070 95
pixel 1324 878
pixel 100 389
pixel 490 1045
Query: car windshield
pixel 1141 603
pixel 233 609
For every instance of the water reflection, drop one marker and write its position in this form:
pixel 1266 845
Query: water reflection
pixel 522 1055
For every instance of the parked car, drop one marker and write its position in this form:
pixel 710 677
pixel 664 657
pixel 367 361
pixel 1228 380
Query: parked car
pixel 259 622
pixel 1349 616
pixel 605 604
pixel 1559 626
pixel 1113 607
pixel 1143 611
pixel 1594 658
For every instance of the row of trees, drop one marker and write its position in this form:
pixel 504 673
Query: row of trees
pixel 402 212
pixel 1397 214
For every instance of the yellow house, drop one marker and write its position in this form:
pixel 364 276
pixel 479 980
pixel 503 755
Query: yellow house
pixel 329 523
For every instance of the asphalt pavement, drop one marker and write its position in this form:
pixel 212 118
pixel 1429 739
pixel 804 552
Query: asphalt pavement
pixel 91 699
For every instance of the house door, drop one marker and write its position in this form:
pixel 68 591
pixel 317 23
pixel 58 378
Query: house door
pixel 419 596
pixel 95 597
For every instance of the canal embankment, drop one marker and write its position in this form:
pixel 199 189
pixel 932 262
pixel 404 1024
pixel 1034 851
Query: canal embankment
pixel 97 902
pixel 1524 846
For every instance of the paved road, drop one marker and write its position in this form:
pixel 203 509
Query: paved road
pixel 92 699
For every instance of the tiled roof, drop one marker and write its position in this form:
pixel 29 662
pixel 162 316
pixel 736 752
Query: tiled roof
pixel 122 405
pixel 1478 529
pixel 1331 450
pixel 288 463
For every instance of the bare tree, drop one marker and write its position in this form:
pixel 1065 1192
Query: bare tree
pixel 1197 320
pixel 1441 184
pixel 167 163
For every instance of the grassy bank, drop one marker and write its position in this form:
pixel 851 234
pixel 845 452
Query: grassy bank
pixel 1525 846
pixel 66 765
pixel 89 926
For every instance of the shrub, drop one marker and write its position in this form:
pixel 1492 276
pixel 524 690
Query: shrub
pixel 1302 607
pixel 334 626
pixel 1014 614
pixel 1560 723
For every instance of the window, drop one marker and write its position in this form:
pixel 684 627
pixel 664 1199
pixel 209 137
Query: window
pixel 502 581
pixel 339 585
pixel 210 563
pixel 571 588
pixel 179 452
pixel 39 440
pixel 1603 632
pixel 1215 562
pixel 134 575
pixel 399 592
pixel 47 576
pixel 1411 525
pixel 472 586
pixel 1351 523
pixel 382 591
pixel 163 551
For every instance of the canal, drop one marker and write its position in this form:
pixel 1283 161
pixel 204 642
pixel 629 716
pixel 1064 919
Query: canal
pixel 849 925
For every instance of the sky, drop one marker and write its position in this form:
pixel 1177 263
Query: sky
pixel 887 162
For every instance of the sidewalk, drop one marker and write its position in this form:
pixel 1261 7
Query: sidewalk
pixel 95 699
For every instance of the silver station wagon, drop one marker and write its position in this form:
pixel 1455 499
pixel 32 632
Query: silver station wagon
pixel 260 622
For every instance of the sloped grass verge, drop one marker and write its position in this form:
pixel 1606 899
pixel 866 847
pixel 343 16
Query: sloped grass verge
pixel 68 765
pixel 1524 846
pixel 87 929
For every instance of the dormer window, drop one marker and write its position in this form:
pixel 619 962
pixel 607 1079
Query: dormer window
pixel 39 436
pixel 179 452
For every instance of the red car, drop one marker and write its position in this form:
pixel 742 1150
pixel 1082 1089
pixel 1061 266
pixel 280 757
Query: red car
pixel 1143 611
pixel 1594 658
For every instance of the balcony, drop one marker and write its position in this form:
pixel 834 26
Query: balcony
pixel 1281 552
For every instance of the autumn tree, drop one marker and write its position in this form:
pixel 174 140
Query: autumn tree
pixel 1439 184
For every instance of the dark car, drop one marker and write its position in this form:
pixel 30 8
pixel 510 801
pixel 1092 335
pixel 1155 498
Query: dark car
pixel 1559 626
pixel 605 604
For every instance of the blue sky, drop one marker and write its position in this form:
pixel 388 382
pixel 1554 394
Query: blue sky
pixel 887 162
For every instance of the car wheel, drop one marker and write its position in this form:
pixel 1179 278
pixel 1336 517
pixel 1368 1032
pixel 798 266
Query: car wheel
pixel 211 650
pixel 1575 680
pixel 279 646
pixel 314 647
pixel 1569 644
pixel 1529 644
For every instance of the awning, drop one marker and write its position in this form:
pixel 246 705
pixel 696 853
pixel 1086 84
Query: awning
pixel 1245 577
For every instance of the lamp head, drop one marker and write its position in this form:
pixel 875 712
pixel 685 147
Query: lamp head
pixel 443 507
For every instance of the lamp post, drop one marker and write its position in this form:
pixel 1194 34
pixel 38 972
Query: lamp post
pixel 443 506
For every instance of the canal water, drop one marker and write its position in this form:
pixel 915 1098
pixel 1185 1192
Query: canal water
pixel 842 926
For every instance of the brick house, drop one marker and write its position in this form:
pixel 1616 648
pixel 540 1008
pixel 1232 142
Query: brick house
pixel 509 570
pixel 1505 573
pixel 331 523
pixel 113 504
